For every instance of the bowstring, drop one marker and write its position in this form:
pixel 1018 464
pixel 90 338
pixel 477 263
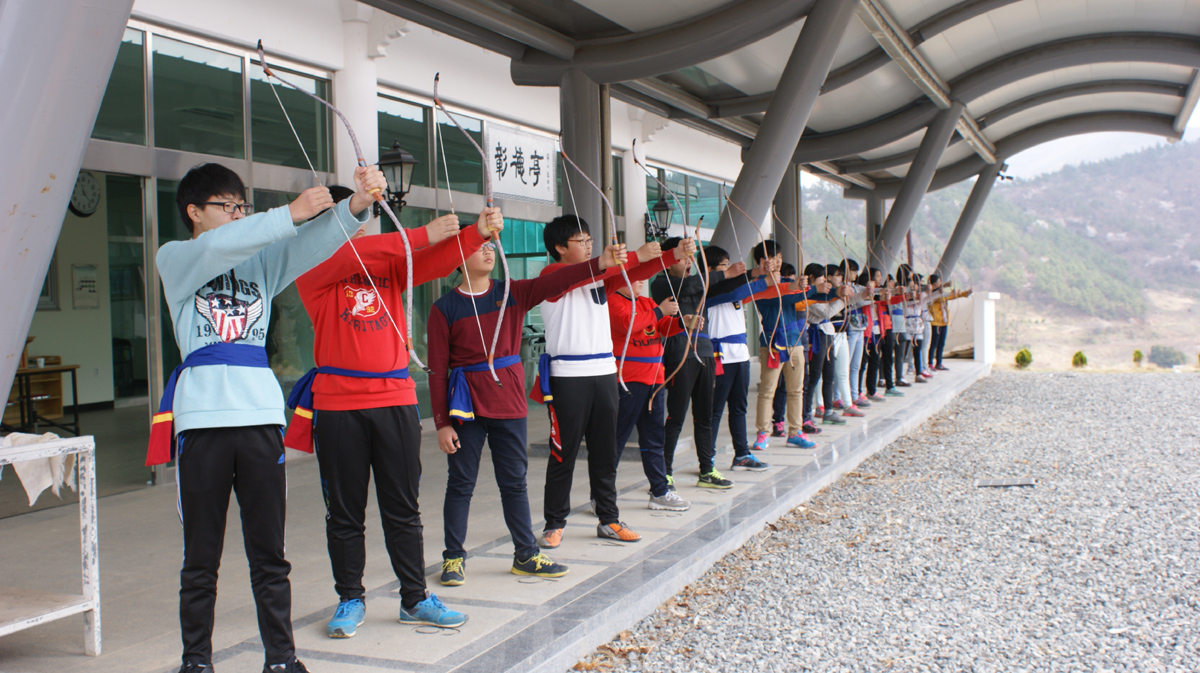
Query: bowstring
pixel 318 180
pixel 440 138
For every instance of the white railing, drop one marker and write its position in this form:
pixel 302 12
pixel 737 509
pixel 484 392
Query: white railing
pixel 23 608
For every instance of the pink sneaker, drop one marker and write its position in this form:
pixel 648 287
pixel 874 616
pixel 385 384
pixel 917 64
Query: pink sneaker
pixel 862 401
pixel 853 412
pixel 878 397
pixel 761 441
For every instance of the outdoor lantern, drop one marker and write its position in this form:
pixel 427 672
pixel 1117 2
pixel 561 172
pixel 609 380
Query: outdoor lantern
pixel 662 214
pixel 397 167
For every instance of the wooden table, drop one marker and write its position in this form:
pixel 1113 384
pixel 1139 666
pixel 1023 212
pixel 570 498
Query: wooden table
pixel 27 398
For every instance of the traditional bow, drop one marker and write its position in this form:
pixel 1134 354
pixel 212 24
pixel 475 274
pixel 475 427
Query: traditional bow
pixel 612 227
pixel 661 261
pixel 845 267
pixel 770 342
pixel 487 192
pixel 799 272
pixel 358 153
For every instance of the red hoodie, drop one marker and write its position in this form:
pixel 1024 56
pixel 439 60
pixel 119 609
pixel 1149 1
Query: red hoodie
pixel 351 330
pixel 650 327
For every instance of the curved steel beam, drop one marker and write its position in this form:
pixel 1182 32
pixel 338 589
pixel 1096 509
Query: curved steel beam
pixel 1092 122
pixel 489 16
pixel 872 60
pixel 1088 50
pixel 1027 103
pixel 664 50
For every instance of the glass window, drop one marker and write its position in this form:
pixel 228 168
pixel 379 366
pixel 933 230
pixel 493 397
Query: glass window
pixel 197 99
pixel 170 228
pixel 407 123
pixel 271 138
pixel 465 165
pixel 122 115
pixel 704 198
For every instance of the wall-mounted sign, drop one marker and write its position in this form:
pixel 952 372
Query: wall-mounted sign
pixel 84 292
pixel 523 165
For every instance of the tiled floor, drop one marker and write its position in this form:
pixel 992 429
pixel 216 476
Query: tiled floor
pixel 515 624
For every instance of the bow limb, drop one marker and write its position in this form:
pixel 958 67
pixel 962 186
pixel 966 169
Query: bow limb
pixel 377 193
pixel 761 330
pixel 612 227
pixel 845 262
pixel 683 213
pixel 699 312
pixel 800 248
pixel 487 192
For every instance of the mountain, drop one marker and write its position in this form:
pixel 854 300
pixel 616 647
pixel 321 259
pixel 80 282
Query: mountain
pixel 1092 240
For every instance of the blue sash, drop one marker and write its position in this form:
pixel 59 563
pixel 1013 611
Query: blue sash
pixel 299 432
pixel 461 406
pixel 161 448
pixel 543 381
pixel 731 339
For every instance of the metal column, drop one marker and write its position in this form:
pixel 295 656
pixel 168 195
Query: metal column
pixel 787 206
pixel 966 221
pixel 579 107
pixel 55 63
pixel 916 182
pixel 786 117
pixel 874 225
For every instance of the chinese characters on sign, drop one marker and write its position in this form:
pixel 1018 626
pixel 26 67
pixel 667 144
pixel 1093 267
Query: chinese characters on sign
pixel 522 164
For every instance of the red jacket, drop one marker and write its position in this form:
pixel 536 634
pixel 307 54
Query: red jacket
pixel 650 327
pixel 350 328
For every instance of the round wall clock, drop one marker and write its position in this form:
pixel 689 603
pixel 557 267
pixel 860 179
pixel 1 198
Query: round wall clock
pixel 86 196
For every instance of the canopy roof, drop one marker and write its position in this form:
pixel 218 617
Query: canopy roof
pixel 1028 71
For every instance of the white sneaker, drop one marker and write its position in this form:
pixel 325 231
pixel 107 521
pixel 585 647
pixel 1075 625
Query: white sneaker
pixel 671 502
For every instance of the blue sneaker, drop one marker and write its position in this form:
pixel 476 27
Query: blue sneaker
pixel 762 442
pixel 798 440
pixel 750 463
pixel 432 612
pixel 349 616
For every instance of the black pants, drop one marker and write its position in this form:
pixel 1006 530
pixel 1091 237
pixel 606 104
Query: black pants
pixel 779 403
pixel 891 360
pixel 938 345
pixel 694 385
pixel 210 462
pixel 820 372
pixel 874 348
pixel 506 439
pixel 918 366
pixel 350 446
pixel 732 387
pixel 586 407
pixel 650 419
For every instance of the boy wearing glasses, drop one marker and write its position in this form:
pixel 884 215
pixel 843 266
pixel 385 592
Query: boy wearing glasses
pixel 222 410
pixel 469 406
pixel 358 408
pixel 578 378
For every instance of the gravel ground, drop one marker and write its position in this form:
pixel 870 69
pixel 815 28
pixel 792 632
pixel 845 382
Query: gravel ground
pixel 904 565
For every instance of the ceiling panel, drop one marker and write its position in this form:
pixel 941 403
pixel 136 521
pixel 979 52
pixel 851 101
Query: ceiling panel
pixel 1077 75
pixel 1080 105
pixel 639 15
pixel 884 90
pixel 756 68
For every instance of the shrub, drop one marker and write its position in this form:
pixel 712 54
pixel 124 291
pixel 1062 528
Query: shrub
pixel 1166 356
pixel 1078 359
pixel 1138 357
pixel 1024 357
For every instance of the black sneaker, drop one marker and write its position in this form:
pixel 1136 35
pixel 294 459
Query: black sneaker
pixel 454 572
pixel 713 480
pixel 193 667
pixel 810 428
pixel 538 565
pixel 293 666
pixel 903 384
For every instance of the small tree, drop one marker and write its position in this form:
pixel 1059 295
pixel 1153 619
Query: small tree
pixel 1138 357
pixel 1078 359
pixel 1166 356
pixel 1024 358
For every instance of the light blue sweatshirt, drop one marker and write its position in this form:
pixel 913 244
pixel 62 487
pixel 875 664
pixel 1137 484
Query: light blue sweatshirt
pixel 218 287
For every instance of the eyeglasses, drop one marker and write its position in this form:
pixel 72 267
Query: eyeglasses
pixel 582 241
pixel 229 206
pixel 488 246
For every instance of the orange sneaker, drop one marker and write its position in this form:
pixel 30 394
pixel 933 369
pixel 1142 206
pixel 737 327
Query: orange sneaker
pixel 617 531
pixel 550 538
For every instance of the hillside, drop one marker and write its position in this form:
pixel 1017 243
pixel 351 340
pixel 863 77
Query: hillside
pixel 1110 250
